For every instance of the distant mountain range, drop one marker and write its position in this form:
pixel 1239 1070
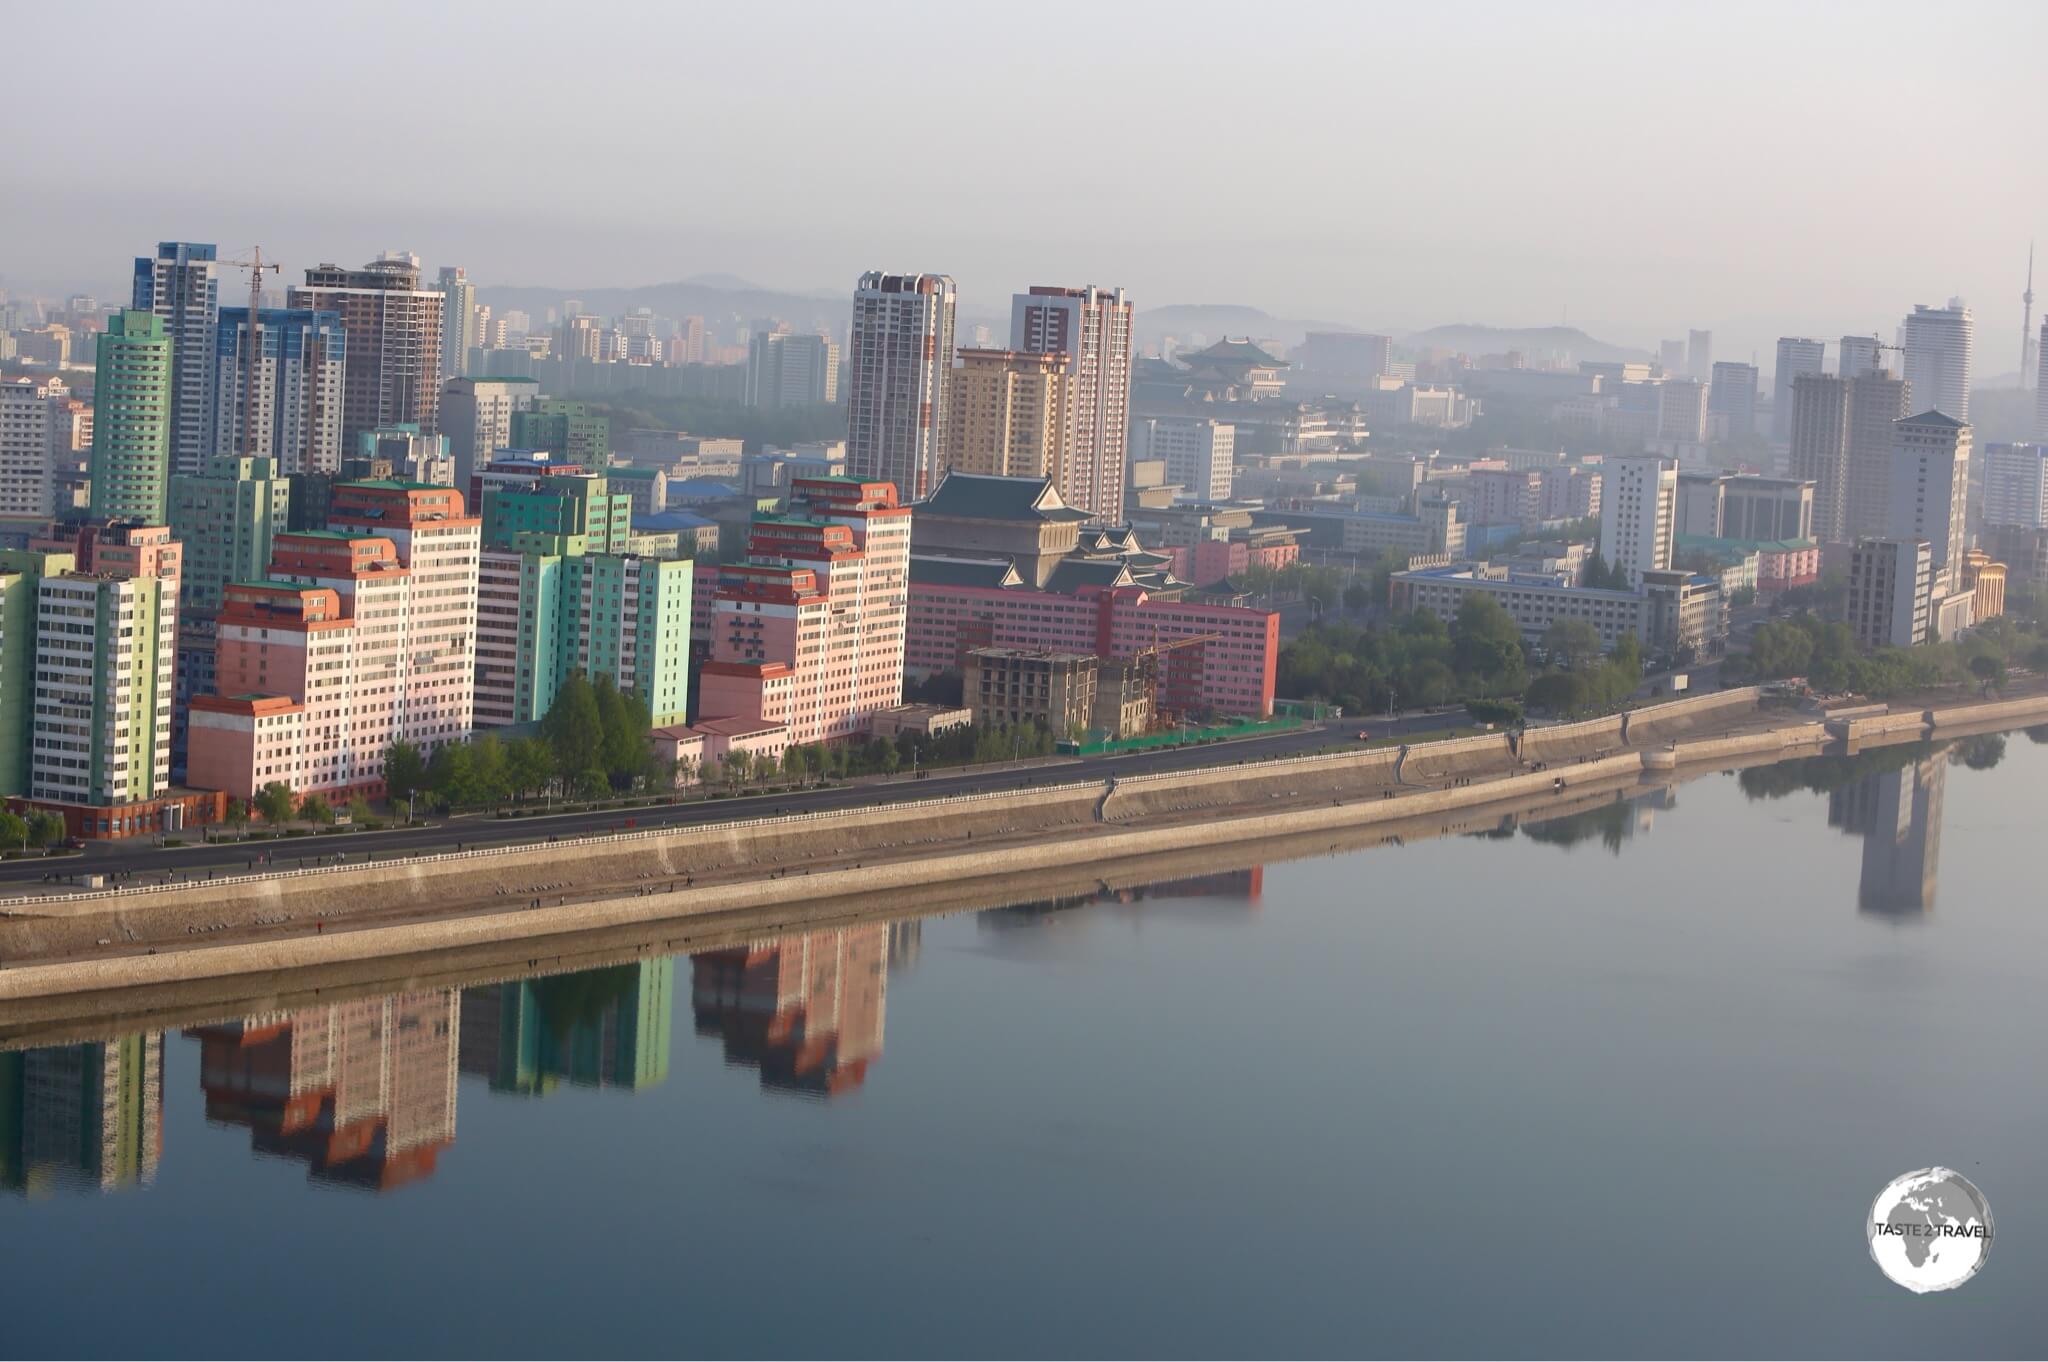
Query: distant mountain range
pixel 724 297
pixel 712 296
pixel 1216 320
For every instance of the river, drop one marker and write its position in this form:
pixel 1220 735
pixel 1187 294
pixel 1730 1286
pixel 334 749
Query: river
pixel 1622 1083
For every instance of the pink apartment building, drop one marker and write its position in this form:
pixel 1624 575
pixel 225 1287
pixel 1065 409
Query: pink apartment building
pixel 809 632
pixel 352 644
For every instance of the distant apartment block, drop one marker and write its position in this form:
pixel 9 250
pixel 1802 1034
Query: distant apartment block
pixel 1013 414
pixel 2015 484
pixel 1092 327
pixel 789 370
pixel 393 325
pixel 131 436
pixel 1638 514
pixel 1199 453
pixel 476 415
pixel 33 436
pixel 300 359
pixel 1891 584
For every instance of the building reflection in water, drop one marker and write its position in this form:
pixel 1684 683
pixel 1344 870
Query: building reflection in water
pixel 1897 813
pixel 599 1028
pixel 1239 886
pixel 82 1117
pixel 362 1092
pixel 806 1011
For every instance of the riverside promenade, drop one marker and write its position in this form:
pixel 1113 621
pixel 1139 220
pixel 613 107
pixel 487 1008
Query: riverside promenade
pixel 787 870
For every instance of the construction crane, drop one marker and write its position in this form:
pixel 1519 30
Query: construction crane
pixel 252 341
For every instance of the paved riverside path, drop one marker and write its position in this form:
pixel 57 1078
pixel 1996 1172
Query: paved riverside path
pixel 145 861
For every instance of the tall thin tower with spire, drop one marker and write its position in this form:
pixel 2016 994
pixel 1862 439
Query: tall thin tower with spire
pixel 2027 360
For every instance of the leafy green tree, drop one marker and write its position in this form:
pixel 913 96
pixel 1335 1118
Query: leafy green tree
pixel 1989 669
pixel 1357 597
pixel 13 831
pixel 359 811
pixel 572 727
pixel 45 828
pixel 1505 712
pixel 405 771
pixel 448 774
pixel 593 783
pixel 1429 682
pixel 314 808
pixel 1559 692
pixel 793 764
pixel 276 803
pixel 1572 643
pixel 529 766
pixel 1487 645
pixel 237 816
pixel 490 776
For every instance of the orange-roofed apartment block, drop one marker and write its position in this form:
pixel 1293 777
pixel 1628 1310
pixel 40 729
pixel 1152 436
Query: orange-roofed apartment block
pixel 362 636
pixel 808 632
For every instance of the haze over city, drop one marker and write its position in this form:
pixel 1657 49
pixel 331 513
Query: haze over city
pixel 1055 680
pixel 1757 169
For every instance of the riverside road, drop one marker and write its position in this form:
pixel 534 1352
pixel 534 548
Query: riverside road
pixel 142 859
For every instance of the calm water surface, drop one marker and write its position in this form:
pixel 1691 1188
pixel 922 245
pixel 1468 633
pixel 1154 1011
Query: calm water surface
pixel 1617 1084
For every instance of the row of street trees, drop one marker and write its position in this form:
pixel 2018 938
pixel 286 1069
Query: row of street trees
pixel 40 828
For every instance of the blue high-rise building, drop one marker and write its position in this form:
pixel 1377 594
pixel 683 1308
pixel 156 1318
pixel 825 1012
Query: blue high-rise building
pixel 298 397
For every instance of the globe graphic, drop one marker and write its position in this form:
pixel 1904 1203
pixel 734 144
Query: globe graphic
pixel 1930 1230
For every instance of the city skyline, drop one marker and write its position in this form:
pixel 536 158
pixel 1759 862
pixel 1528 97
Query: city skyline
pixel 1608 259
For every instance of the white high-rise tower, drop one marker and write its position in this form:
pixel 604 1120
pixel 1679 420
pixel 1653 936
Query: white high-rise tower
pixel 178 284
pixel 1939 344
pixel 899 363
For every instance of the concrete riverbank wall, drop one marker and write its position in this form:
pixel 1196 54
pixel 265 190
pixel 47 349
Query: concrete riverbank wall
pixel 1011 861
pixel 627 877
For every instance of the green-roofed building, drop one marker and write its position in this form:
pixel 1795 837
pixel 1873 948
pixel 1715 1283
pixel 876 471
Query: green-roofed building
pixel 131 429
pixel 560 590
pixel 546 514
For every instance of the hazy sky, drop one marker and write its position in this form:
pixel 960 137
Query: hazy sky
pixel 1756 169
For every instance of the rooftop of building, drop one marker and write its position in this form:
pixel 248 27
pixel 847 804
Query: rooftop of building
pixel 1074 574
pixel 981 496
pixel 273 584
pixel 1716 542
pixel 736 726
pixel 396 485
pixel 936 570
pixel 1031 655
pixel 1939 419
pixel 1241 350
pixel 1476 572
